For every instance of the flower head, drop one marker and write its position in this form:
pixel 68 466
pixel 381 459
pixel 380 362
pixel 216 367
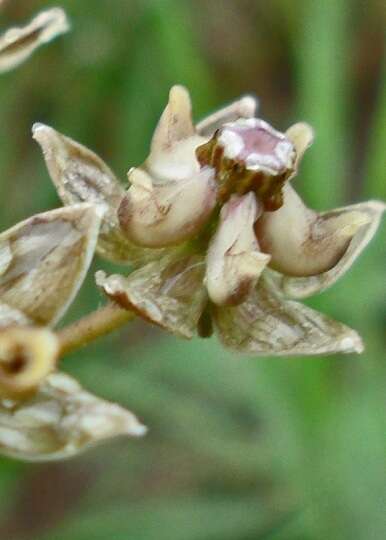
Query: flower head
pixel 218 233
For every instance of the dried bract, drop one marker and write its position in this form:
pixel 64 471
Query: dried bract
pixel 17 44
pixel 47 257
pixel 61 420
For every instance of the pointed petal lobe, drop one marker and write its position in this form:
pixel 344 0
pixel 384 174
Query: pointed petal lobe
pixel 59 421
pixel 79 175
pixel 267 324
pixel 245 107
pixel 51 253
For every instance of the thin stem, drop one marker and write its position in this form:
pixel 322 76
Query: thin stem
pixel 96 324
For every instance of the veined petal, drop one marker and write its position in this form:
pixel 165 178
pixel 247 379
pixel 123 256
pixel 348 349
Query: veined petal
pixel 168 292
pixel 369 213
pixel 244 107
pixel 158 215
pixel 79 175
pixel 51 253
pixel 27 356
pixel 267 324
pixel 60 420
pixel 304 243
pixel 234 261
pixel 17 44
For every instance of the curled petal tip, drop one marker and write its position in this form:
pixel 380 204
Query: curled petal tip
pixel 302 136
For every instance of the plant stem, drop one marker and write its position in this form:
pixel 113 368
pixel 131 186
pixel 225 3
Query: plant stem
pixel 90 327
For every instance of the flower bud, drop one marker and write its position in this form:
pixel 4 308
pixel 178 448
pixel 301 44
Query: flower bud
pixel 27 355
pixel 249 155
pixel 234 261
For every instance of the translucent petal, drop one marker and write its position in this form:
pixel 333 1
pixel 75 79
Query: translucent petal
pixel 168 292
pixel 301 287
pixel 244 107
pixel 302 136
pixel 17 44
pixel 79 175
pixel 59 421
pixel 51 253
pixel 267 324
pixel 234 261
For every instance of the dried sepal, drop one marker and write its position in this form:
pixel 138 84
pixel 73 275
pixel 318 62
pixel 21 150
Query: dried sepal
pixel 267 324
pixel 61 420
pixel 51 253
pixel 165 214
pixel 168 292
pixel 27 356
pixel 234 261
pixel 80 175
pixel 244 107
pixel 369 214
pixel 17 44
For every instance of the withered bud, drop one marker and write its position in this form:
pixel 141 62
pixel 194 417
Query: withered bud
pixel 249 155
pixel 27 356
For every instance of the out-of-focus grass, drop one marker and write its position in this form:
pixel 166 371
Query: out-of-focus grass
pixel 239 448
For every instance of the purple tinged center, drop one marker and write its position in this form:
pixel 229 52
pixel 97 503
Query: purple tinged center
pixel 257 145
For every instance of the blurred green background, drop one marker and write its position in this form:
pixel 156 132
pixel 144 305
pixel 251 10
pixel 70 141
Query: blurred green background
pixel 239 448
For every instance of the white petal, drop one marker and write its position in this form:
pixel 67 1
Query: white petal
pixel 51 253
pixel 157 215
pixel 169 292
pixel 245 107
pixel 266 324
pixel 17 44
pixel 60 421
pixel 234 261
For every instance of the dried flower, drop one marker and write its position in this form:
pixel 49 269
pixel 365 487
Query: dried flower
pixel 17 44
pixel 226 234
pixel 60 420
pixel 43 261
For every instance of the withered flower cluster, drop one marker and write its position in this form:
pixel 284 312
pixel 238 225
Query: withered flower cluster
pixel 216 238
